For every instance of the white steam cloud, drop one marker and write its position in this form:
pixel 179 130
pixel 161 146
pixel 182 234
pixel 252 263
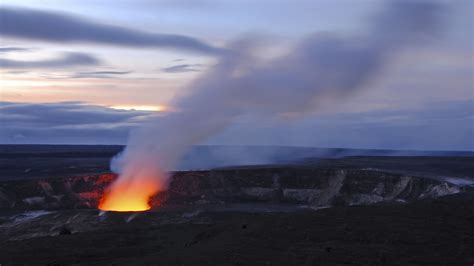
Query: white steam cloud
pixel 323 68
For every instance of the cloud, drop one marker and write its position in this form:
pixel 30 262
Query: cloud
pixel 61 114
pixel 16 72
pixel 13 49
pixel 182 68
pixel 437 126
pixel 63 28
pixel 66 122
pixel 100 74
pixel 66 60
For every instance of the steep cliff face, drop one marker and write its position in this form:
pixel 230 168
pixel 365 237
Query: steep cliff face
pixel 305 186
pixel 54 193
pixel 316 187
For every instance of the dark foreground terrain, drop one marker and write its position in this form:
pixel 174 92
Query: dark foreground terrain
pixel 307 207
pixel 428 232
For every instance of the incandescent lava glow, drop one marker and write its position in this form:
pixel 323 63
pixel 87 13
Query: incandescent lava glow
pixel 129 195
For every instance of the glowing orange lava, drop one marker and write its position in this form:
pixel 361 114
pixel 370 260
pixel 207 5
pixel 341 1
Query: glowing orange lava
pixel 129 195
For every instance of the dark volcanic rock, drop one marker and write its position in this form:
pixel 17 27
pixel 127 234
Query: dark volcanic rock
pixel 54 193
pixel 317 187
pixel 65 231
pixel 307 186
pixel 426 232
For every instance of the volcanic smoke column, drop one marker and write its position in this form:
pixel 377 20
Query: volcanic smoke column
pixel 323 68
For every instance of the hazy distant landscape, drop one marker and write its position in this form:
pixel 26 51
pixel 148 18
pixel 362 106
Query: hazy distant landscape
pixel 39 161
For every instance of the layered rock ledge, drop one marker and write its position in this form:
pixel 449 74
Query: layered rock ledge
pixel 303 186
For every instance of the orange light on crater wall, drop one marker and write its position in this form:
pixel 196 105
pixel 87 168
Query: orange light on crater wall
pixel 129 195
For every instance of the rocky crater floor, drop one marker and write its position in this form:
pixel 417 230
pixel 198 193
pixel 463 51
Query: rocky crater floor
pixel 425 232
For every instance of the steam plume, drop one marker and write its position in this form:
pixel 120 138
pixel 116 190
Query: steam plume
pixel 323 68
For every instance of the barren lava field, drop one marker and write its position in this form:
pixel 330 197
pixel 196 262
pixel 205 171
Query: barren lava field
pixel 362 210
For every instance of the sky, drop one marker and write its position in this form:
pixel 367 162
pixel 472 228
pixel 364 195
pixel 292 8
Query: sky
pixel 89 72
